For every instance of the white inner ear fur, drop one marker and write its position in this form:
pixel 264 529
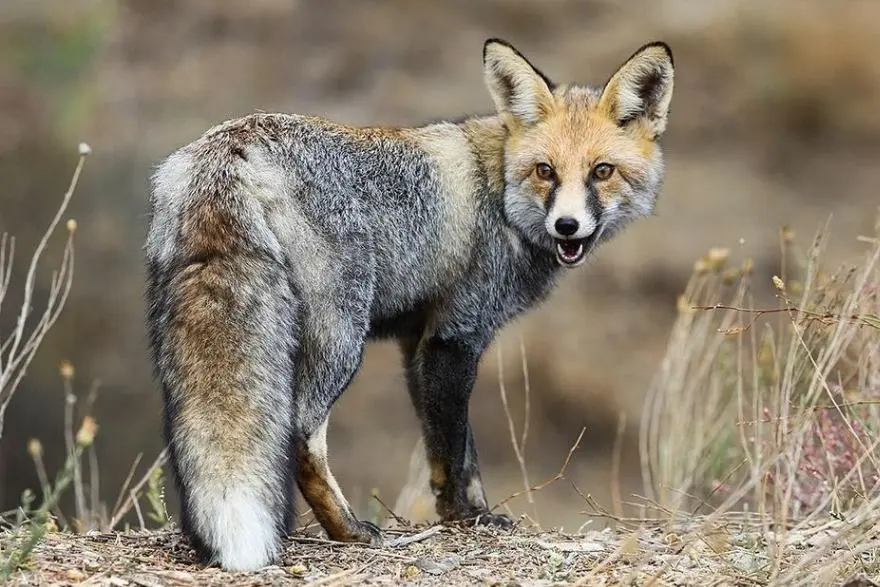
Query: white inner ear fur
pixel 515 86
pixel 624 89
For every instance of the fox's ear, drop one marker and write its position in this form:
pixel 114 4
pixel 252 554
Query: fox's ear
pixel 641 89
pixel 516 86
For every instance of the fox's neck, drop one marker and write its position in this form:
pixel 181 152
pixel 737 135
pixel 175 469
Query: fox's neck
pixel 484 154
pixel 487 135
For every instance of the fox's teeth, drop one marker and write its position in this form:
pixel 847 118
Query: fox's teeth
pixel 565 256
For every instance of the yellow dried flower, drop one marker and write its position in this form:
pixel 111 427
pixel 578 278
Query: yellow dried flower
pixel 731 274
pixel 787 234
pixel 35 448
pixel 717 257
pixel 86 434
pixel 51 525
pixel 778 283
pixel 683 305
pixel 66 369
pixel 71 225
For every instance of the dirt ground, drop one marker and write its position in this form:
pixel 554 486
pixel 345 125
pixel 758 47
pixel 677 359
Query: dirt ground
pixel 723 552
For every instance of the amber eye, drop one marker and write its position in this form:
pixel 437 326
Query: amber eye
pixel 544 171
pixel 603 171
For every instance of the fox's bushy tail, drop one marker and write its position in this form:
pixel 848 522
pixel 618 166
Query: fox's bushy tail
pixel 222 322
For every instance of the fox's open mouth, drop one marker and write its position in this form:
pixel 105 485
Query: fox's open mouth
pixel 570 253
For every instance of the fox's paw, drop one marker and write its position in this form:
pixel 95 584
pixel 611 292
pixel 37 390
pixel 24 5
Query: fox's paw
pixel 486 518
pixel 371 533
pixel 363 532
pixel 501 521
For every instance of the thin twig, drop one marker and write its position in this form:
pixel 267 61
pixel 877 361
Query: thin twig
pixel 32 268
pixel 350 574
pixel 397 518
pixel 132 495
pixel 124 490
pixel 517 449
pixel 554 479
pixel 43 476
pixel 527 389
pixel 94 489
pixel 418 537
pixel 137 509
pixel 18 357
pixel 615 465
pixel 827 318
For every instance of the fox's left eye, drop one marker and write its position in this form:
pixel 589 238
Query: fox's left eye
pixel 545 172
pixel 603 171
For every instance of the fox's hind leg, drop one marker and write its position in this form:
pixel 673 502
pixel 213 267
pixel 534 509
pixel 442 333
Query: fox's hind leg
pixel 335 318
pixel 223 331
pixel 324 496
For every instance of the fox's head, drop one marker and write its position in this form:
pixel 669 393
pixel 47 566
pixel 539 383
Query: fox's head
pixel 579 161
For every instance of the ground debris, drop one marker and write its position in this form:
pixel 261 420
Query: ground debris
pixel 729 554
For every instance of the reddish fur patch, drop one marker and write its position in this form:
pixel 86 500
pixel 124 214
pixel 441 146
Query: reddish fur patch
pixel 438 475
pixel 211 360
pixel 334 517
pixel 210 229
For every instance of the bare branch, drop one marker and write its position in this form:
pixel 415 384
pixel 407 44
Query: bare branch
pixel 18 350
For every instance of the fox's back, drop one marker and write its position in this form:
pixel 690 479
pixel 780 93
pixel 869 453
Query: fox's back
pixel 322 194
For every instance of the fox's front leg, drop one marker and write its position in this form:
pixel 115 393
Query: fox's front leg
pixel 440 376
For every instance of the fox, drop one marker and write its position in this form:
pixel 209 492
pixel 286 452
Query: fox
pixel 280 244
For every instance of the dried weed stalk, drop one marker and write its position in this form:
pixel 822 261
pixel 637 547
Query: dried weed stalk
pixel 773 410
pixel 17 349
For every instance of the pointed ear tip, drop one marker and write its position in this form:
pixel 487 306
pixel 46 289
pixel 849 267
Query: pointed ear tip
pixel 662 46
pixel 491 41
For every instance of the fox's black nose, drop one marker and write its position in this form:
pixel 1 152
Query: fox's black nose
pixel 566 226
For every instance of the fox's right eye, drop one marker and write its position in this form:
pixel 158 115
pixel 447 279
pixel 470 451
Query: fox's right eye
pixel 545 172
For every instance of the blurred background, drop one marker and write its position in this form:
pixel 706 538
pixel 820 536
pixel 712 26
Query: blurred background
pixel 774 121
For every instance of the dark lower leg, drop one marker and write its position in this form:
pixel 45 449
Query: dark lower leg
pixel 440 378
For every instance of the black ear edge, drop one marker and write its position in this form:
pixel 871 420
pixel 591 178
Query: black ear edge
pixel 661 44
pixel 499 41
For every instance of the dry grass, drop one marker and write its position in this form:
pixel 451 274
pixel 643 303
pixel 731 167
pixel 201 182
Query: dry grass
pixel 774 410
